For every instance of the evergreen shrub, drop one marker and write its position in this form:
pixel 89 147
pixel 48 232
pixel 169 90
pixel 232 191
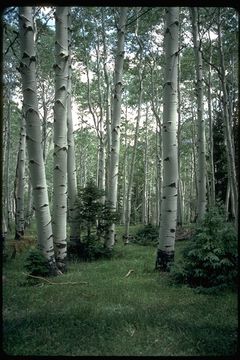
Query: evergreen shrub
pixel 36 264
pixel 94 219
pixel 148 235
pixel 210 257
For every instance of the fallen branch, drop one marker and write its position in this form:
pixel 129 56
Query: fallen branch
pixel 129 272
pixel 55 283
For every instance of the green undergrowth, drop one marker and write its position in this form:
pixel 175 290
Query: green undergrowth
pixel 119 306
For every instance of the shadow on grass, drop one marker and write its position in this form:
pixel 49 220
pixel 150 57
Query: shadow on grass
pixel 117 330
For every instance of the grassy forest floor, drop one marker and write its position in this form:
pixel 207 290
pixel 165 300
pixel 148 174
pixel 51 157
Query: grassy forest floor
pixel 141 314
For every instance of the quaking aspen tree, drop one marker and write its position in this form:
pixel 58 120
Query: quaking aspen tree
pixel 167 231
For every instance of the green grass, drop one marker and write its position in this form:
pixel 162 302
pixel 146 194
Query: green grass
pixel 143 314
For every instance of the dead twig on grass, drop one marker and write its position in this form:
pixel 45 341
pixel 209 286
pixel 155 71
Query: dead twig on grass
pixel 56 283
pixel 129 272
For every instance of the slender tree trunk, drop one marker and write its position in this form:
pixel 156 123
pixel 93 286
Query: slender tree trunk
pixel 211 163
pixel 201 142
pixel 145 183
pixel 179 206
pixel 116 119
pixel 20 180
pixel 71 163
pixel 130 182
pixel 44 124
pixel 107 104
pixel 158 174
pixel 125 168
pixel 6 157
pixel 60 138
pixel 29 208
pixel 229 140
pixel 33 137
pixel 167 232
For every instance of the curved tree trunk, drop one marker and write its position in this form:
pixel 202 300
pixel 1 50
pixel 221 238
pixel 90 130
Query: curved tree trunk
pixel 201 145
pixel 33 136
pixel 60 138
pixel 115 128
pixel 167 232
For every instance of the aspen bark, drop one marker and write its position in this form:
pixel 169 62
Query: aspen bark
pixel 116 120
pixel 201 141
pixel 33 136
pixel 167 231
pixel 130 182
pixel 145 196
pixel 211 163
pixel 60 138
pixel 107 104
pixel 227 129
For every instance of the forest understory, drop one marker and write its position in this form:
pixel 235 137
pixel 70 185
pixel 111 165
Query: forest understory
pixel 120 306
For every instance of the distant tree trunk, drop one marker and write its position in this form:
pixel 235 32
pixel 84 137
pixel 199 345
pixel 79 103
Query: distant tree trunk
pixel 44 123
pixel 130 182
pixel 167 232
pixel 107 103
pixel 145 183
pixel 211 163
pixel 29 207
pixel 7 162
pixel 116 119
pixel 60 138
pixel 71 163
pixel 33 137
pixel 101 136
pixel 201 146
pixel 227 132
pixel 20 181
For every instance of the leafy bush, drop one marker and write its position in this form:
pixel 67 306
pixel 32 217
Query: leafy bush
pixel 148 235
pixel 36 264
pixel 210 258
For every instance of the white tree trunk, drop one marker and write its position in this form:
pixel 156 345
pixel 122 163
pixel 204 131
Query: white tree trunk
pixel 33 136
pixel 107 105
pixel 167 232
pixel 116 120
pixel 212 199
pixel 20 181
pixel 227 131
pixel 60 138
pixel 130 182
pixel 145 184
pixel 201 142
pixel 71 162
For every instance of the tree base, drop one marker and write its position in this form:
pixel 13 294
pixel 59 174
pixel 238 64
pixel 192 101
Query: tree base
pixel 62 266
pixel 164 260
pixel 53 270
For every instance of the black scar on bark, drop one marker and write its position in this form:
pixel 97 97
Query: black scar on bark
pixel 172 230
pixel 172 184
pixel 164 260
pixel 60 245
pixel 39 188
pixel 166 159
